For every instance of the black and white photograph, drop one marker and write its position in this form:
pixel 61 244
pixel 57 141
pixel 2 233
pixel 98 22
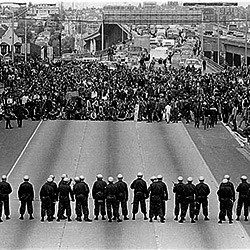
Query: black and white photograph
pixel 124 124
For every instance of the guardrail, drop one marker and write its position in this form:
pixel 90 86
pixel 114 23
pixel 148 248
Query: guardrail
pixel 215 66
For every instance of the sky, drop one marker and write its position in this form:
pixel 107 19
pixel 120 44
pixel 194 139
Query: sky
pixel 98 3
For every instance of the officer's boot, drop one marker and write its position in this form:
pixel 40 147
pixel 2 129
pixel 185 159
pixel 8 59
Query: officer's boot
pixel 118 219
pixel 87 219
pixel 176 218
pixel 7 217
pixel 150 219
pixel 21 217
pixel 162 219
pixel 181 220
pixel 192 220
pixel 238 218
pixel 50 218
pixel 133 218
pixel 31 217
pixel 1 220
pixel 96 217
pixel 196 217
pixel 110 220
pixel 155 218
pixel 78 218
pixel 246 218
pixel 206 218
pixel 69 219
pixel 125 217
pixel 145 216
pixel 103 217
pixel 230 221
pixel 42 219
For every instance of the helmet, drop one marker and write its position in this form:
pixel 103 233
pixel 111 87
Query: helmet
pixel 66 179
pixel 180 178
pixel 110 179
pixel 227 177
pixel 99 176
pixel 159 177
pixel 52 176
pixel 139 174
pixel 119 176
pixel 77 179
pixel 225 181
pixel 26 177
pixel 189 179
pixel 4 177
pixel 153 178
pixel 81 177
pixel 63 176
pixel 243 177
pixel 201 178
pixel 49 179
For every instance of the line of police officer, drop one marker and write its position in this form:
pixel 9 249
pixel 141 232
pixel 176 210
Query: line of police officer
pixel 112 196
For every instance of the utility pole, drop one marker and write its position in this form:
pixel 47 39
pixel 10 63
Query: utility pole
pixel 202 36
pixel 246 31
pixel 12 39
pixel 25 40
pixel 218 41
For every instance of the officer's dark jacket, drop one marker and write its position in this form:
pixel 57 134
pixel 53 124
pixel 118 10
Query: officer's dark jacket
pixel 26 192
pixel 155 189
pixel 231 185
pixel 81 188
pixel 243 189
pixel 46 191
pixel 139 185
pixel 122 188
pixel 98 189
pixel 64 190
pixel 179 189
pixel 225 192
pixel 165 189
pixel 111 192
pixel 5 190
pixel 202 190
pixel 55 190
pixel 189 190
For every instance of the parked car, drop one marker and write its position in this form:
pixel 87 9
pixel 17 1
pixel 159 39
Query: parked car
pixel 193 62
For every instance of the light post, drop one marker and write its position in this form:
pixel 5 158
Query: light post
pixel 218 40
pixel 246 31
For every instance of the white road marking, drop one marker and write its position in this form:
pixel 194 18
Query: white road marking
pixel 26 145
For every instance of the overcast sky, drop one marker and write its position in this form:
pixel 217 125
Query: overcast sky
pixel 103 2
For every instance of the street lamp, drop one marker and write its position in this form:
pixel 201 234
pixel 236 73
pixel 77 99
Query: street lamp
pixel 246 31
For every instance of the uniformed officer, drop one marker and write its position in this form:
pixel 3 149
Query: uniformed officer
pixel 140 195
pixel 225 196
pixel 202 191
pixel 26 196
pixel 81 192
pixel 111 194
pixel 55 196
pixel 164 198
pixel 231 185
pixel 98 196
pixel 178 189
pixel 243 190
pixel 189 200
pixel 5 190
pixel 64 191
pixel 122 198
pixel 155 191
pixel 46 197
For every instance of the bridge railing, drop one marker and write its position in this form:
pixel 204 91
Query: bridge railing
pixel 215 66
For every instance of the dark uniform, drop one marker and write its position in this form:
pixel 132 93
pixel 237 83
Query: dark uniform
pixel 226 196
pixel 20 113
pixel 122 197
pixel 243 200
pixel 202 191
pixel 46 196
pixel 178 189
pixel 98 195
pixel 55 197
pixel 26 196
pixel 64 191
pixel 164 198
pixel 5 190
pixel 156 192
pixel 189 201
pixel 111 194
pixel 140 195
pixel 81 192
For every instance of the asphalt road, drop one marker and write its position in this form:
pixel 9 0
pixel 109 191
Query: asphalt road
pixel 89 148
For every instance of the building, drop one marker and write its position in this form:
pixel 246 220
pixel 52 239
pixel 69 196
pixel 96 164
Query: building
pixel 43 11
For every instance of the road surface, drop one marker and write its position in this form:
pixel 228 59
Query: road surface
pixel 88 148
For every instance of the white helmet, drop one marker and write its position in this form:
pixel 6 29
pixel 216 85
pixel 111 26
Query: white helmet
pixel 243 177
pixel 153 178
pixel 180 178
pixel 119 176
pixel 4 177
pixel 189 179
pixel 201 178
pixel 225 181
pixel 159 177
pixel 63 176
pixel 110 179
pixel 139 174
pixel 226 176
pixel 49 179
pixel 99 176
pixel 66 179
pixel 81 177
pixel 26 177
pixel 77 179
pixel 52 176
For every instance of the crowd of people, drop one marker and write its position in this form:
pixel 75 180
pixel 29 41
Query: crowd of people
pixel 97 91
pixel 112 196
